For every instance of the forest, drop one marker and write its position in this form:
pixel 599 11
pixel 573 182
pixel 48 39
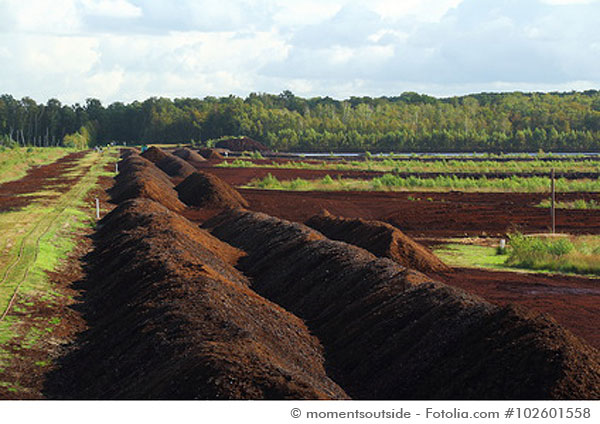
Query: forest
pixel 410 122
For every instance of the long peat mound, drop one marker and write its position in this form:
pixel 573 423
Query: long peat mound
pixel 393 333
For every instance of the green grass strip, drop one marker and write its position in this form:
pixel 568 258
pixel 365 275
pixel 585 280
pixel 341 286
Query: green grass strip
pixel 390 182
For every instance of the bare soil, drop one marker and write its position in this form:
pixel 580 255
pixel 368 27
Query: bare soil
pixel 172 165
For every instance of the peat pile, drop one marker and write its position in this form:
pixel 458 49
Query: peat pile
pixel 171 318
pixel 242 144
pixel 173 165
pixel 154 154
pixel 381 239
pixel 126 152
pixel 194 158
pixel 134 163
pixel 205 190
pixel 139 177
pixel 211 154
pixel 393 333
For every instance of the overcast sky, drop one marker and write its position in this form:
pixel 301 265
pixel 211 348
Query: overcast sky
pixel 132 49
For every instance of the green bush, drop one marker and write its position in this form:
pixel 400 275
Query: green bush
pixel 269 181
pixel 327 180
pixel 537 252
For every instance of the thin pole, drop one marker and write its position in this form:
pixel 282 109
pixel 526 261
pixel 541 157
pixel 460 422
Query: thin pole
pixel 553 211
pixel 97 208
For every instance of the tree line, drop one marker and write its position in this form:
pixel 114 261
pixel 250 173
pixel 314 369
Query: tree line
pixel 411 122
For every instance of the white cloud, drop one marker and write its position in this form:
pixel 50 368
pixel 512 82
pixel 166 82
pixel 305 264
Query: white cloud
pixel 568 2
pixel 132 49
pixel 111 8
pixel 105 84
pixel 39 16
pixel 39 55
pixel 305 12
pixel 424 10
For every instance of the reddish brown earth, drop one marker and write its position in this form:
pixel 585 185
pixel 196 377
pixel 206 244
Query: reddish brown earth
pixel 154 154
pixel 435 214
pixel 45 177
pixel 172 165
pixel 572 301
pixel 459 214
pixel 240 176
pixel 140 178
pixel 170 317
pixel 381 239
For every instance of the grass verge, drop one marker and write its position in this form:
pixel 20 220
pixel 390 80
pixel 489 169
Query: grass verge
pixel 471 256
pixel 35 240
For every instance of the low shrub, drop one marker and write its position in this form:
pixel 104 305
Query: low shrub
pixel 553 254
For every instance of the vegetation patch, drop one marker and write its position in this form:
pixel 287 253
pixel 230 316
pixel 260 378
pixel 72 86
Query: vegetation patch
pixel 571 254
pixel 544 253
pixel 471 256
pixel 390 182
pixel 437 166
pixel 573 204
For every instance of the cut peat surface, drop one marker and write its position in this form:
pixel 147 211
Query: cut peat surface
pixel 572 301
pixel 449 214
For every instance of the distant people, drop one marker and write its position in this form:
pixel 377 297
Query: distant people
pixel 144 148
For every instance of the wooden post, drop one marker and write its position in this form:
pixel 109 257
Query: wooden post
pixel 97 208
pixel 553 209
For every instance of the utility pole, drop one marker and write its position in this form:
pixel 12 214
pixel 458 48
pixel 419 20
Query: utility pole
pixel 553 209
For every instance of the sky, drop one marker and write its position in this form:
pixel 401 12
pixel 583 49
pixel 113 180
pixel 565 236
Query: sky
pixel 126 50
